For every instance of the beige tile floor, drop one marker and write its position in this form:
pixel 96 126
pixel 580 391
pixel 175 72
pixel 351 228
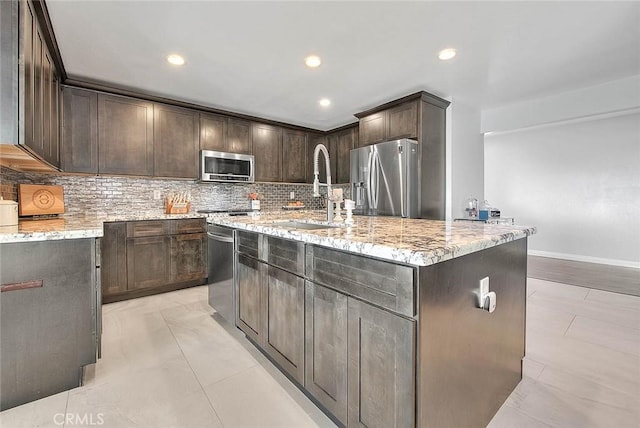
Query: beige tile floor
pixel 171 361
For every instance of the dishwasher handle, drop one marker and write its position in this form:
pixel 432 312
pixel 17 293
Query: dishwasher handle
pixel 220 238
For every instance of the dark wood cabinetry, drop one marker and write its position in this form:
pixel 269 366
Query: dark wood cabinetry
pixel 266 141
pixel 294 156
pixel 381 391
pixel 213 132
pixel 329 142
pixel 152 256
pixel 400 121
pixel 239 136
pixel 326 348
pixel 79 131
pixel 345 141
pixel 125 135
pixel 175 142
pixel 249 301
pixel 41 84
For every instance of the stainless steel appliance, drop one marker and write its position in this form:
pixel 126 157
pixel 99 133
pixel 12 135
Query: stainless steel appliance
pixel 385 179
pixel 220 270
pixel 222 166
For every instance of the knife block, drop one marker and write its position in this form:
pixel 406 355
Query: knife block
pixel 177 208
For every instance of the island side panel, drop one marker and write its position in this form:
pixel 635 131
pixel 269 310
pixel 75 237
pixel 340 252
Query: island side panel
pixel 470 360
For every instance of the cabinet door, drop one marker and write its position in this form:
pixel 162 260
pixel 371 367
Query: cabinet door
pixel 402 121
pixel 249 295
pixel 326 348
pixel 213 132
pixel 381 368
pixel 113 268
pixel 239 136
pixel 266 141
pixel 148 261
pixel 125 135
pixel 284 321
pixel 28 36
pixel 294 156
pixel 372 129
pixel 175 142
pixel 188 257
pixel 79 130
pixel 344 144
pixel 314 140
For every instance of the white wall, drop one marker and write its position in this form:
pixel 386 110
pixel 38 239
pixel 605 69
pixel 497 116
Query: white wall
pixel 465 157
pixel 578 181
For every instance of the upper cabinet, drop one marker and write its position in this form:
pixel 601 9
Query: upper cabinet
pixel 175 142
pixel 30 83
pixel 266 141
pixel 213 132
pixel 125 135
pixel 396 122
pixel 294 156
pixel 79 149
pixel 239 136
pixel 345 141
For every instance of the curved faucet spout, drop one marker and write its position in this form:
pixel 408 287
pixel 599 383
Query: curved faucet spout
pixel 316 182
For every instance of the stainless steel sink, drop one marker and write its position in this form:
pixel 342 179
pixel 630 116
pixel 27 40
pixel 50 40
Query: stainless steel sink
pixel 301 225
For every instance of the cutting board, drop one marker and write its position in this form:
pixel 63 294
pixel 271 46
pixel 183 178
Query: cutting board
pixel 39 199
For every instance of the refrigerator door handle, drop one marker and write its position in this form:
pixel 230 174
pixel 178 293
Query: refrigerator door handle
pixel 368 180
pixel 400 171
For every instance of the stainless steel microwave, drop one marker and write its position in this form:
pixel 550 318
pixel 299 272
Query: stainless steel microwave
pixel 222 166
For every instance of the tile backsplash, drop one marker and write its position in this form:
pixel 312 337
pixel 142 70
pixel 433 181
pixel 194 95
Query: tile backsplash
pixel 108 195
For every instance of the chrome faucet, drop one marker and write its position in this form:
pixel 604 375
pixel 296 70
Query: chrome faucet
pixel 316 182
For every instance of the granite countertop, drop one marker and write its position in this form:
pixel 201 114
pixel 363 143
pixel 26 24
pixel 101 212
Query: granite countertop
pixel 74 227
pixel 408 241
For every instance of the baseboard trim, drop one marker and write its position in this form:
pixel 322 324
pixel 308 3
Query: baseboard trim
pixel 586 259
pixel 617 279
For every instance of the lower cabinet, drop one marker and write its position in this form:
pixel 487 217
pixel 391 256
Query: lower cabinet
pixel 249 296
pixel 326 348
pixel 152 256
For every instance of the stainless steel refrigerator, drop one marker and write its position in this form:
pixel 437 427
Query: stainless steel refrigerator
pixel 385 180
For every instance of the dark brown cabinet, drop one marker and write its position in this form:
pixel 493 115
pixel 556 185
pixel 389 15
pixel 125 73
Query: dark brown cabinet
pixel 79 131
pixel 400 121
pixel 284 320
pixel 125 135
pixel 113 269
pixel 294 156
pixel 152 256
pixel 41 84
pixel 345 140
pixel 213 132
pixel 266 141
pixel 249 297
pixel 326 348
pixel 175 142
pixel 239 136
pixel 329 143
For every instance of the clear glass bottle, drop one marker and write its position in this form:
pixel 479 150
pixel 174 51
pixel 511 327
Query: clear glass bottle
pixel 471 208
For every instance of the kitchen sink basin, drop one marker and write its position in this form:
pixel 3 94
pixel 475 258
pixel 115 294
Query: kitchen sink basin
pixel 302 225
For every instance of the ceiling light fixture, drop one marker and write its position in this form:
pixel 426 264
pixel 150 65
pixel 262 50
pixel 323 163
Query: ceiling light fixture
pixel 325 102
pixel 312 61
pixel 446 54
pixel 175 59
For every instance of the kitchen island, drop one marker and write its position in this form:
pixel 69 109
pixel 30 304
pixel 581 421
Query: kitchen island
pixel 382 323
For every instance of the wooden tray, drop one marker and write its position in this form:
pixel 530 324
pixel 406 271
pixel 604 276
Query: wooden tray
pixel 38 199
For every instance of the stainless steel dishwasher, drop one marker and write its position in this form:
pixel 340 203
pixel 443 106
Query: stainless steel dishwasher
pixel 220 271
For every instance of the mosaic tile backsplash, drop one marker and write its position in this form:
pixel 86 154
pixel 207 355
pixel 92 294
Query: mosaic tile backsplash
pixel 106 195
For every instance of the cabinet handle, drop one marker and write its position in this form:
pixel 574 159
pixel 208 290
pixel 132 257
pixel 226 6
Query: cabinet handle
pixel 21 285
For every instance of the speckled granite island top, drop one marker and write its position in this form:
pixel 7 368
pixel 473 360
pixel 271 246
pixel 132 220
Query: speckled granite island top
pixel 74 227
pixel 408 241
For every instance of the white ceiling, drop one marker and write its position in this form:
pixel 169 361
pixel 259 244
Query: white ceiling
pixel 247 57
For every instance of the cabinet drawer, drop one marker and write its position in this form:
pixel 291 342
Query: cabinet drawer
pixel 247 243
pixel 189 225
pixel 137 229
pixel 381 283
pixel 285 254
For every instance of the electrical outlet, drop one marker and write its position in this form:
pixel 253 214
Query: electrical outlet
pixel 484 286
pixel 156 194
pixel 292 195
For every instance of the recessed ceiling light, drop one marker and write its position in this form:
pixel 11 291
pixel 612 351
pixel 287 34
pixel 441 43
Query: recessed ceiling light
pixel 325 102
pixel 446 54
pixel 312 61
pixel 175 59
